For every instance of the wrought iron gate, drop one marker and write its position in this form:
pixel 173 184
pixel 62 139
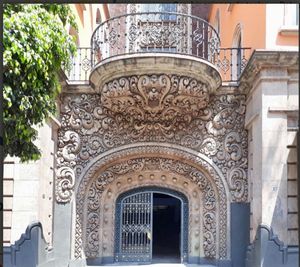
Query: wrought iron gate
pixel 134 211
pixel 136 228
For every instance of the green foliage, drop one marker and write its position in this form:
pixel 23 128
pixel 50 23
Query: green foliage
pixel 36 46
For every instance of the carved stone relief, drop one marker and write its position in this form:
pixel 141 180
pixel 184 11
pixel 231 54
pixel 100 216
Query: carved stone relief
pixel 213 233
pixel 147 109
pixel 155 104
pixel 159 179
pixel 155 109
pixel 108 169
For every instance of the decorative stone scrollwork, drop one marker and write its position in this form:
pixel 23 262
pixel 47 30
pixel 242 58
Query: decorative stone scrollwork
pixel 65 181
pixel 155 103
pixel 110 174
pixel 166 109
pixel 69 145
pixel 161 108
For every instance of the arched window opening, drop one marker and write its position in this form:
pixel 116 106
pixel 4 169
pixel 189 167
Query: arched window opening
pixel 98 16
pixel 217 22
pixel 237 53
pixel 239 56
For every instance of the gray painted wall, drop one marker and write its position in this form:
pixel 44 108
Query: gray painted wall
pixel 240 232
pixel 267 250
pixel 30 250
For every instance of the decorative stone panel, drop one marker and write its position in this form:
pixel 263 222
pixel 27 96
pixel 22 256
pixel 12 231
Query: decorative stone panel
pixel 91 126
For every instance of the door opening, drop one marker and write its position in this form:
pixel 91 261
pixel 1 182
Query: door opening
pixel 152 226
pixel 166 228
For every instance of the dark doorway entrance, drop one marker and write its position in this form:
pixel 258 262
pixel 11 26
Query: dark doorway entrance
pixel 152 226
pixel 166 228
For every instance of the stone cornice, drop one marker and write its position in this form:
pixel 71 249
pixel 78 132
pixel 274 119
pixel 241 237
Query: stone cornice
pixel 263 59
pixel 54 122
pixel 78 88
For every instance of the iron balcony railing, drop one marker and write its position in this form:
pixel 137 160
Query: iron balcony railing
pixel 232 62
pixel 159 32
pixel 155 32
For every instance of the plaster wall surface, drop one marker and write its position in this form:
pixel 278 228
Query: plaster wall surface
pixel 253 31
pixel 31 188
pixel 269 173
pixel 275 21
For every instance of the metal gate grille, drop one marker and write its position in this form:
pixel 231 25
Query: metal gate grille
pixel 134 212
pixel 136 228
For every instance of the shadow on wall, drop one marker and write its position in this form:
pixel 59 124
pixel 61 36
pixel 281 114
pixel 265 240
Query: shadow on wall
pixel 31 250
pixel 267 250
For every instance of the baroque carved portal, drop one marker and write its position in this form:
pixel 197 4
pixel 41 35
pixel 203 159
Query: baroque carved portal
pixel 104 181
pixel 152 113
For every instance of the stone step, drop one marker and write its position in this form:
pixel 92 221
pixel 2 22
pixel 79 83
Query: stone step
pixel 154 265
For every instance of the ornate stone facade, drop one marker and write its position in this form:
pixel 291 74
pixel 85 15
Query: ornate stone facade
pixel 138 124
pixel 99 177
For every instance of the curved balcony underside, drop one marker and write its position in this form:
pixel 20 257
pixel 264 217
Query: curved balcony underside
pixel 153 63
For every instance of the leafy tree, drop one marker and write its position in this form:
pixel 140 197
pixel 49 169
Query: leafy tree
pixel 36 46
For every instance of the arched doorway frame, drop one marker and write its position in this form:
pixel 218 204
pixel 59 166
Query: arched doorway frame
pixel 163 190
pixel 152 149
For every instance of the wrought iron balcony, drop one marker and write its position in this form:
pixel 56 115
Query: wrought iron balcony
pixel 158 32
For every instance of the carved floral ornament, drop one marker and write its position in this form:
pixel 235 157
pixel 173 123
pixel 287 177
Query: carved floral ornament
pixel 152 108
pixel 156 102
pixel 102 173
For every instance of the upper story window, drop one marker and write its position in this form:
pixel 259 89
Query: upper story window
pixel 291 14
pixel 159 8
pixel 216 23
pixel 239 56
pixel 237 53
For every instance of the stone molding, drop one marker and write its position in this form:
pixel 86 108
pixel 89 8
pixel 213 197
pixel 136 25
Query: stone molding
pixel 261 59
pixel 141 64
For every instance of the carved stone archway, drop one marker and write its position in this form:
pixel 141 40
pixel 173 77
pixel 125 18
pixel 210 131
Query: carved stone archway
pixel 94 142
pixel 184 170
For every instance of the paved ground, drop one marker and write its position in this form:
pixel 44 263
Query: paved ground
pixel 160 265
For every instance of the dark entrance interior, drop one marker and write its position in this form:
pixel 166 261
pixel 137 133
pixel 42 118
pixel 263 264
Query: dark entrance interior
pixel 166 228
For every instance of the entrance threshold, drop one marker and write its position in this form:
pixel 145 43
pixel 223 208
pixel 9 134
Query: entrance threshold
pixel 155 265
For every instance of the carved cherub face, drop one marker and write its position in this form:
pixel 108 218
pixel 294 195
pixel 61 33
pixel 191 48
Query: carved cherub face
pixel 153 94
